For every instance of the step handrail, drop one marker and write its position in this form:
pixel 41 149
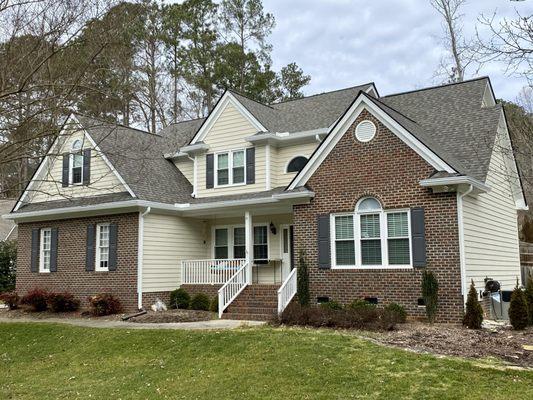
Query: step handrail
pixel 287 291
pixel 232 288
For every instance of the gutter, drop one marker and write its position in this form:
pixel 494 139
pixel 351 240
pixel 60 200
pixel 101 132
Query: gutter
pixel 286 137
pixel 460 224
pixel 457 180
pixel 140 253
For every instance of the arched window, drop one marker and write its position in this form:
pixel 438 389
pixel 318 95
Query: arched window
pixel 76 146
pixel 76 163
pixel 296 164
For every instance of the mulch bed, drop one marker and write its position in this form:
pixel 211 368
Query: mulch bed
pixel 23 312
pixel 494 341
pixel 174 316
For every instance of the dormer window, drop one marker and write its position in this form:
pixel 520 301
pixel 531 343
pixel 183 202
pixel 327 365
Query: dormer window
pixel 76 164
pixel 230 168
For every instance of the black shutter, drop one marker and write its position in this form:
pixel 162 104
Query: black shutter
pixel 250 165
pixel 209 171
pixel 66 161
pixel 113 247
pixel 324 247
pixel 53 250
pixel 86 166
pixel 418 237
pixel 90 247
pixel 35 238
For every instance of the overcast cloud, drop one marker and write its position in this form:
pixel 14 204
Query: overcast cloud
pixel 395 43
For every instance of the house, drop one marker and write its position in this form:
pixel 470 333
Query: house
pixel 370 190
pixel 8 229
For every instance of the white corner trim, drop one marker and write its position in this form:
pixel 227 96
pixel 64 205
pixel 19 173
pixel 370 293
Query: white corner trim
pixel 140 255
pixel 462 256
pixel 361 103
pixel 227 98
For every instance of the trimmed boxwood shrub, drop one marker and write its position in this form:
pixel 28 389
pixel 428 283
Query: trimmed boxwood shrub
pixel 518 313
pixel 37 299
pixel 214 304
pixel 332 305
pixel 179 298
pixel 201 302
pixel 361 304
pixel 62 302
pixel 11 299
pixel 474 312
pixel 397 312
pixel 104 304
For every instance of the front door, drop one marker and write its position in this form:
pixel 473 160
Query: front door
pixel 287 261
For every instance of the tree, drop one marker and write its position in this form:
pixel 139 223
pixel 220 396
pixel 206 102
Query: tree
pixel 430 291
pixel 474 312
pixel 518 312
pixel 293 80
pixel 303 281
pixel 8 262
pixel 453 66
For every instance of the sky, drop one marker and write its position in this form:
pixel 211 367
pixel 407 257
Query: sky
pixel 394 43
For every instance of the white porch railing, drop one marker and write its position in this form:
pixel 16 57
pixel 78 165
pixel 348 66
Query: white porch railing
pixel 209 272
pixel 232 288
pixel 287 291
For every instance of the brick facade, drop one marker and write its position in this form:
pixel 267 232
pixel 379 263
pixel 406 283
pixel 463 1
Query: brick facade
pixel 389 170
pixel 71 275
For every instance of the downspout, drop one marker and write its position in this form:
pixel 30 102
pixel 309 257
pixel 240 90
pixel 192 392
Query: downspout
pixel 140 251
pixel 460 223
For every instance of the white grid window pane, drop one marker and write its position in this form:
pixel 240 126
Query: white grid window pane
pixel 345 252
pixel 398 251
pixel 103 246
pixel 371 252
pixel 238 175
pixel 46 245
pixel 370 226
pixel 77 160
pixel 223 161
pixel 238 159
pixel 221 243
pixel 397 225
pixel 344 227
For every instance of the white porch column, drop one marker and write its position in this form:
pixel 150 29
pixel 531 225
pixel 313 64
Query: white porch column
pixel 249 239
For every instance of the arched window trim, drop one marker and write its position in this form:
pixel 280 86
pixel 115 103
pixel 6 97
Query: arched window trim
pixel 76 145
pixel 291 160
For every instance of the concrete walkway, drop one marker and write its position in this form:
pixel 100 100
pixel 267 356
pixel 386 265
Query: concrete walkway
pixel 93 323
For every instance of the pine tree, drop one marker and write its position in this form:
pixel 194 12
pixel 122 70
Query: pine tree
pixel 474 313
pixel 518 313
pixel 430 289
pixel 303 281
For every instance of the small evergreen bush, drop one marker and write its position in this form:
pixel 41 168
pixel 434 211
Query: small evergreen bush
pixel 201 302
pixel 397 312
pixel 62 302
pixel 332 305
pixel 359 304
pixel 104 304
pixel 37 299
pixel 179 298
pixel 518 312
pixel 529 299
pixel 474 312
pixel 302 278
pixel 11 299
pixel 430 294
pixel 8 261
pixel 214 304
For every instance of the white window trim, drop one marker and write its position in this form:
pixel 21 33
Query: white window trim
pixel 97 267
pixel 230 168
pixel 357 240
pixel 231 238
pixel 71 168
pixel 41 250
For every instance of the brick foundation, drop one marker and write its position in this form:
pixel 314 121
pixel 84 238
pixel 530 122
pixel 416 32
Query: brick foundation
pixel 389 170
pixel 71 275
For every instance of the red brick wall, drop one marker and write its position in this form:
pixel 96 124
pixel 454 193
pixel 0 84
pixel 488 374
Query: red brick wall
pixel 388 169
pixel 71 275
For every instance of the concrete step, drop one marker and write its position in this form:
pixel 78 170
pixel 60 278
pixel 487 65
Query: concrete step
pixel 251 310
pixel 248 317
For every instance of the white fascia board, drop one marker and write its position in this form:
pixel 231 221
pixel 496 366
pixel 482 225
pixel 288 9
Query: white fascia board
pixel 280 138
pixel 361 103
pixel 176 155
pixel 192 149
pixel 294 195
pixel 456 180
pixel 227 98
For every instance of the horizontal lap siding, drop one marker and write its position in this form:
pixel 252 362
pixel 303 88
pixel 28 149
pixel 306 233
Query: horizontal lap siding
pixel 282 157
pixel 186 167
pixel 167 241
pixel 491 231
pixel 103 179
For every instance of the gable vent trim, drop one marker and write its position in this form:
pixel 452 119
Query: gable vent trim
pixel 365 131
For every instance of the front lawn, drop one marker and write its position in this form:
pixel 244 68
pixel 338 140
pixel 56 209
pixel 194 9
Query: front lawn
pixel 47 361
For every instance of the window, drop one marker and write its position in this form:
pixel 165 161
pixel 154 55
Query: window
pixel 239 243
pixel 296 164
pixel 102 247
pixel 230 168
pixel 260 243
pixel 45 250
pixel 221 243
pixel 76 164
pixel 371 237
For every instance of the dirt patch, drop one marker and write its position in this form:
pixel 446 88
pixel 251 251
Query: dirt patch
pixel 174 316
pixel 495 341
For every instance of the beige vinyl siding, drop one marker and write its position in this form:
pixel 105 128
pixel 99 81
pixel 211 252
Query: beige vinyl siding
pixel 491 231
pixel 103 179
pixel 186 166
pixel 167 241
pixel 281 158
pixel 229 133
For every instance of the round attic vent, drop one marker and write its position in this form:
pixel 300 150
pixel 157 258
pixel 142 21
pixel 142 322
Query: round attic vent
pixel 365 131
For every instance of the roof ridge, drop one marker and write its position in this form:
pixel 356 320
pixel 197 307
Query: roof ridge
pixel 185 120
pixel 249 98
pixel 323 93
pixel 437 86
pixel 115 124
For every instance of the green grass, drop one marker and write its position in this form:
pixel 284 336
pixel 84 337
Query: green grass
pixel 47 361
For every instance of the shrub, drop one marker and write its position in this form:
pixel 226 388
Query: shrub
pixel 104 304
pixel 518 315
pixel 11 299
pixel 179 298
pixel 8 260
pixel 302 279
pixel 36 299
pixel 474 312
pixel 359 304
pixel 397 312
pixel 529 299
pixel 430 291
pixel 201 302
pixel 214 304
pixel 332 305
pixel 60 302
